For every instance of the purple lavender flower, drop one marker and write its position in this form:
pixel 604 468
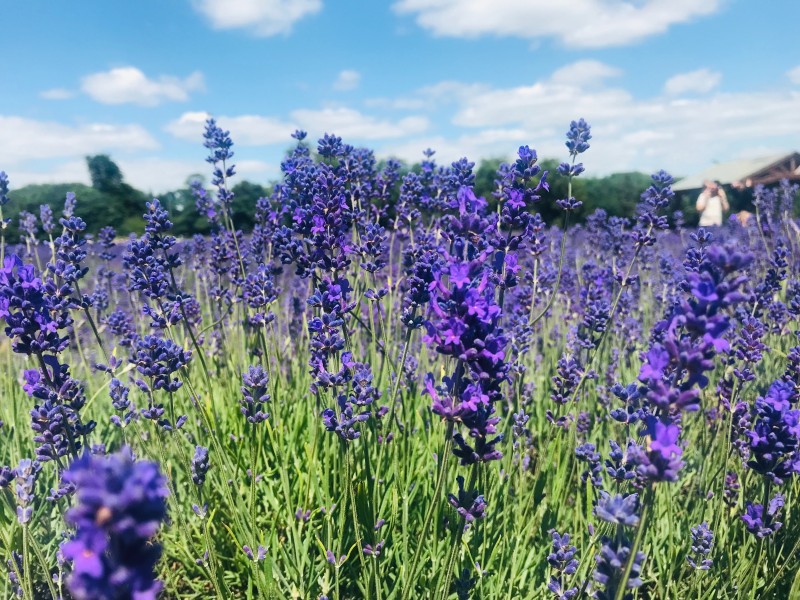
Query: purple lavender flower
pixel 69 205
pixel 158 359
pixel 588 453
pixel 621 466
pixel 618 509
pixel 28 226
pixel 46 217
pixel 254 394
pixel 759 524
pixel 25 475
pixel 15 570
pixel 469 504
pixel 200 465
pixel 569 372
pixel 260 291
pixel 33 316
pixel 774 444
pixel 119 508
pixel 258 556
pixel 219 142
pixel 611 561
pixel 702 543
pixel 121 403
pixel 562 558
pixel 374 551
pixel 464 584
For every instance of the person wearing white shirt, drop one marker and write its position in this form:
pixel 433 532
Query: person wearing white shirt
pixel 712 203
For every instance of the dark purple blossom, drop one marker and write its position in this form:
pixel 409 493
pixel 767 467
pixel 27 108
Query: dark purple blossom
pixel 611 561
pixel 255 394
pixel 763 525
pixel 469 504
pixel 120 504
pixel 702 544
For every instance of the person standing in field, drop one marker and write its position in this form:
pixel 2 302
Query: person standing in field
pixel 712 203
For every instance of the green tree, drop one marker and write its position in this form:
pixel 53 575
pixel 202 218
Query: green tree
pixel 105 174
pixel 94 207
pixel 107 178
pixel 617 194
pixel 485 175
pixel 245 196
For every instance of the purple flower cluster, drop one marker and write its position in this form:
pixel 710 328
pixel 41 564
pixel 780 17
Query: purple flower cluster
pixel 702 544
pixel 120 505
pixel 682 351
pixel 773 440
pixel 464 324
pixel 254 394
pixel 763 525
pixel 562 560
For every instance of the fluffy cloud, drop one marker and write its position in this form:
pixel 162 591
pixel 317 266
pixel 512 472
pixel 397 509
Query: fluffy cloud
pixel 261 17
pixel 256 130
pixel 246 130
pixel 353 125
pixel 129 85
pixel 579 23
pixel 57 94
pixel 682 133
pixel 24 139
pixel 73 171
pixel 488 143
pixel 584 72
pixel 430 97
pixel 347 80
pixel 794 75
pixel 700 81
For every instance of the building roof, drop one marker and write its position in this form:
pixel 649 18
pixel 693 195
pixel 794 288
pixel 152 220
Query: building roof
pixel 737 170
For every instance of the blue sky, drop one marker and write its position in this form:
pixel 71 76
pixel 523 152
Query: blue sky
pixel 674 84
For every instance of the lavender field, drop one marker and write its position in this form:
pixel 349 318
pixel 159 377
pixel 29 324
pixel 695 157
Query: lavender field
pixel 391 390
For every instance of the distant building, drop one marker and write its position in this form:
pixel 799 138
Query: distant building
pixel 746 173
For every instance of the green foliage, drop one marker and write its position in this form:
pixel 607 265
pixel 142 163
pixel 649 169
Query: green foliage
pixel 105 174
pixel 246 194
pixel 95 207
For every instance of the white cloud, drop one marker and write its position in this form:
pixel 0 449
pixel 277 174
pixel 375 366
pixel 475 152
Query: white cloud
pixel 700 81
pixel 257 130
pixel 73 171
pixel 246 130
pixel 488 143
pixel 57 94
pixel 794 75
pixel 347 80
pixel 261 17
pixel 350 124
pixel 679 133
pixel 430 97
pixel 24 139
pixel 130 85
pixel 579 23
pixel 584 72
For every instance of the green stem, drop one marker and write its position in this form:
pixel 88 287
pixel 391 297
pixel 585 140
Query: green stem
pixel 646 509
pixel 26 582
pixel 437 490
pixel 40 557
pixel 553 294
pixel 455 544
